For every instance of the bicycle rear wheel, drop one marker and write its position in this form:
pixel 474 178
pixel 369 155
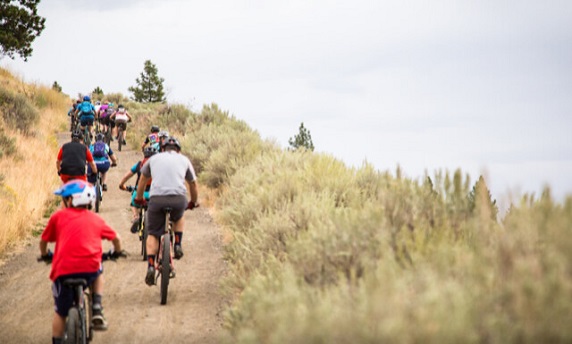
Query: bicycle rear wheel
pixel 97 193
pixel 165 267
pixel 73 327
pixel 119 139
pixel 143 233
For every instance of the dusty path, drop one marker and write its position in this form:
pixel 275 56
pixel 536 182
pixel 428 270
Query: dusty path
pixel 192 313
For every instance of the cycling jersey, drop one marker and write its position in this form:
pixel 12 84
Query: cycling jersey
pixel 77 233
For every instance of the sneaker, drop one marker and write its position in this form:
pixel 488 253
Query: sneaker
pixel 178 252
pixel 150 277
pixel 104 186
pixel 124 142
pixel 135 226
pixel 98 320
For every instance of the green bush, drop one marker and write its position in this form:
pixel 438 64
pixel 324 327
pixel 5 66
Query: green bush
pixel 17 111
pixel 7 144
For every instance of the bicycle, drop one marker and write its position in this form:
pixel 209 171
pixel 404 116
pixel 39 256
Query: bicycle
pixel 141 232
pixel 78 328
pixel 121 127
pixel 164 267
pixel 98 191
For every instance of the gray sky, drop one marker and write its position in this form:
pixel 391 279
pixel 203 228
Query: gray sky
pixel 481 85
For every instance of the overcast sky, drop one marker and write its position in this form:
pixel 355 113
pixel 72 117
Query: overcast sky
pixel 481 85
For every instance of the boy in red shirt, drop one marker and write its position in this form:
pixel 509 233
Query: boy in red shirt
pixel 77 233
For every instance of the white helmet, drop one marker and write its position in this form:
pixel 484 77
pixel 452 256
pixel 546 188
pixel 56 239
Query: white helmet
pixel 82 192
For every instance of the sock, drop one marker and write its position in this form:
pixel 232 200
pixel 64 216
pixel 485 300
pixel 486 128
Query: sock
pixel 151 260
pixel 178 238
pixel 97 299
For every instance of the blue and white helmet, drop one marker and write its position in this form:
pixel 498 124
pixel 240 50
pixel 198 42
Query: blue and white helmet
pixel 82 192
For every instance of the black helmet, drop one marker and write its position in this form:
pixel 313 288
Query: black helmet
pixel 155 129
pixel 99 137
pixel 77 135
pixel 171 141
pixel 149 151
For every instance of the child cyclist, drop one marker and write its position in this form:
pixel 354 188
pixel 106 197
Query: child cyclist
pixel 77 233
pixel 136 170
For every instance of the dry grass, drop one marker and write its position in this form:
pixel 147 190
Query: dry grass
pixel 28 176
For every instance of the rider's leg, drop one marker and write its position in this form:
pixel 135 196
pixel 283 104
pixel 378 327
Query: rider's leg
pixel 58 326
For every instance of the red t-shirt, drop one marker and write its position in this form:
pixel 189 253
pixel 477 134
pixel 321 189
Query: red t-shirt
pixel 77 233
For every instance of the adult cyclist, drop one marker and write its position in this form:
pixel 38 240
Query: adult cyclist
pixel 170 170
pixel 121 117
pixel 136 170
pixel 72 159
pixel 86 113
pixel 77 233
pixel 102 154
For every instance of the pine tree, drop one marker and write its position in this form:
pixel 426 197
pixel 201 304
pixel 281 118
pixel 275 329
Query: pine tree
pixel 97 92
pixel 20 24
pixel 149 87
pixel 56 87
pixel 302 139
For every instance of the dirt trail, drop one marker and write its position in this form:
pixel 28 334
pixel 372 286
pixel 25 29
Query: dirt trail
pixel 133 310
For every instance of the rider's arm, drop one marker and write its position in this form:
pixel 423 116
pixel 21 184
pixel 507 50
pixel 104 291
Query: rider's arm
pixel 91 162
pixel 116 244
pixel 194 191
pixel 126 177
pixel 43 247
pixel 141 186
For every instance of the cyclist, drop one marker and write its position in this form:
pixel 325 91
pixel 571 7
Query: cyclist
pixel 170 170
pixel 105 113
pixel 72 158
pixel 136 170
pixel 121 117
pixel 152 139
pixel 86 113
pixel 71 113
pixel 163 135
pixel 77 233
pixel 102 153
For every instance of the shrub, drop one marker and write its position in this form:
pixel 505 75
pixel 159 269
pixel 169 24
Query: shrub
pixel 17 111
pixel 7 144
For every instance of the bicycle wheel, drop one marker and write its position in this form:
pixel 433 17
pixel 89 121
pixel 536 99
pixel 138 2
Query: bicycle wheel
pixel 165 267
pixel 143 235
pixel 97 193
pixel 88 313
pixel 86 137
pixel 119 138
pixel 73 327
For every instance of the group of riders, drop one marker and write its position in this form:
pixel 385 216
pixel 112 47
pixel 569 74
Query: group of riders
pixel 87 114
pixel 163 175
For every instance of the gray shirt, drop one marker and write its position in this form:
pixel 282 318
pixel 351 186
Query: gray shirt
pixel 169 171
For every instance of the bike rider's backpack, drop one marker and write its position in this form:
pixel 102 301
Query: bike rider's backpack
pixel 85 109
pixel 99 150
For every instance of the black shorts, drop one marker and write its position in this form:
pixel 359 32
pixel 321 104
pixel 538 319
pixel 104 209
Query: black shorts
pixel 63 295
pixel 155 216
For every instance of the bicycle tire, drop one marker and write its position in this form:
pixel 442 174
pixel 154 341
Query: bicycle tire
pixel 143 237
pixel 73 327
pixel 88 313
pixel 165 268
pixel 97 193
pixel 119 138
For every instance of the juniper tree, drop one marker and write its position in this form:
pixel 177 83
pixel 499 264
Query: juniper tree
pixel 302 139
pixel 20 24
pixel 149 87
